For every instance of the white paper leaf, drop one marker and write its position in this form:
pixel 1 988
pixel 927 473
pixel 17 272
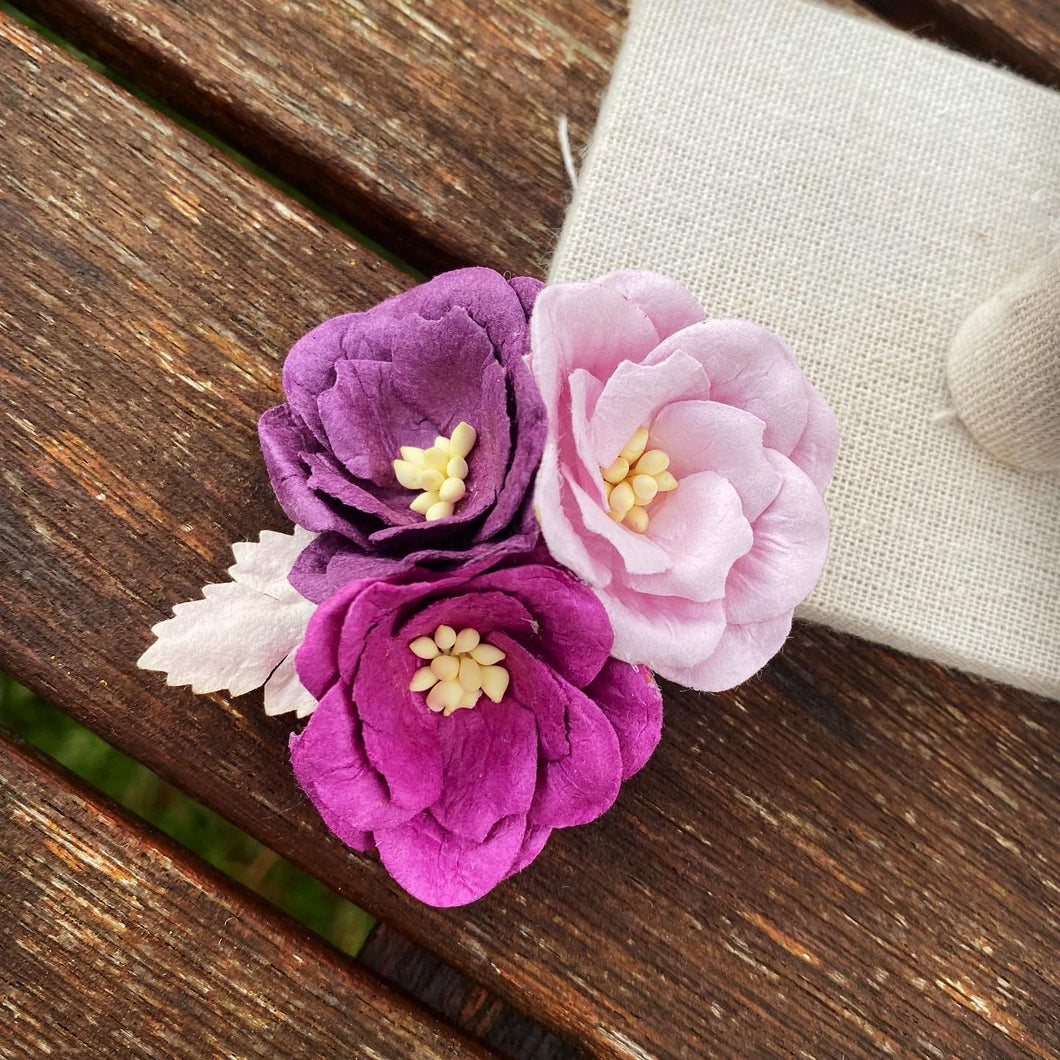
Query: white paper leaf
pixel 284 692
pixel 264 565
pixel 242 631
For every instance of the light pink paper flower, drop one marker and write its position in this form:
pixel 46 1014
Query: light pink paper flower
pixel 701 580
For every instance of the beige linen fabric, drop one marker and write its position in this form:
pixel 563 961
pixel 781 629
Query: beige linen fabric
pixel 860 192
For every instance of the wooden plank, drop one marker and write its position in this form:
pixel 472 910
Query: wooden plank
pixel 456 1000
pixel 412 122
pixel 117 943
pixel 1021 34
pixel 155 292
pixel 853 854
pixel 433 129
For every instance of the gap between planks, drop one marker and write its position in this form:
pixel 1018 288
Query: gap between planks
pixel 432 129
pixel 117 938
pixel 823 809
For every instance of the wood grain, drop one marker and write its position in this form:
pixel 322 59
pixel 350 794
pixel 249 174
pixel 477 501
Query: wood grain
pixel 433 128
pixel 1021 34
pixel 150 289
pixel 412 121
pixel 117 943
pixel 456 1000
pixel 853 855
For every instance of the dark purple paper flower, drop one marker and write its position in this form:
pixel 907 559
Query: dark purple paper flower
pixel 456 802
pixel 361 386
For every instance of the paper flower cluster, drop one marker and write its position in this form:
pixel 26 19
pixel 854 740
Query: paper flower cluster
pixel 512 502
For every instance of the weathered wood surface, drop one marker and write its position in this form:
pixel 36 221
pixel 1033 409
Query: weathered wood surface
pixel 116 942
pixel 457 1000
pixel 1021 34
pixel 415 122
pixel 412 120
pixel 149 291
pixel 852 855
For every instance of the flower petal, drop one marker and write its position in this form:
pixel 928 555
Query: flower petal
pixel 670 632
pixel 489 765
pixel 488 611
pixel 366 422
pixel 528 440
pixel 533 843
pixel 561 523
pixel 634 395
pixel 701 527
pixel 583 325
pixel 438 366
pixel 355 631
pixel 536 687
pixel 316 659
pixel 708 436
pixel 399 731
pixel 442 868
pixel 788 554
pixel 632 703
pixel 309 368
pixel 637 553
pixel 283 441
pixel 749 367
pixel 576 446
pixel 668 305
pixel 328 563
pixel 484 293
pixel 818 447
pixel 578 788
pixel 349 500
pixel 526 288
pixel 330 764
pixel 741 653
pixel 572 631
pixel 447 371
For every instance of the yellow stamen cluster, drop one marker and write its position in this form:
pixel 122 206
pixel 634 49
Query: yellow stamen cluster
pixel 438 472
pixel 461 668
pixel 633 481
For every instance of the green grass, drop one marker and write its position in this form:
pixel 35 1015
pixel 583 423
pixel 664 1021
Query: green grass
pixel 190 823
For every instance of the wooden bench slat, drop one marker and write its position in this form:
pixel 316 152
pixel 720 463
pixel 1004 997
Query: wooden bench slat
pixel 433 130
pixel 141 331
pixel 456 1000
pixel 855 851
pixel 116 942
pixel 1021 34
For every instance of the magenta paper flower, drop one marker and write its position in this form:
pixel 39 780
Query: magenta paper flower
pixel 516 721
pixel 397 381
pixel 682 475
